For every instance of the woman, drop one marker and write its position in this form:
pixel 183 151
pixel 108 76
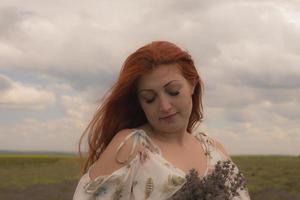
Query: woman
pixel 143 140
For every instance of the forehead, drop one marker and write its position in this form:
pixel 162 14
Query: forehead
pixel 161 75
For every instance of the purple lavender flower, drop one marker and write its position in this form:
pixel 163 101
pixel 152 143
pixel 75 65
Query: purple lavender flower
pixel 223 183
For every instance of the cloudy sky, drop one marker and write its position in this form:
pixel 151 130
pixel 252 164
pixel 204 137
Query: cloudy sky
pixel 58 57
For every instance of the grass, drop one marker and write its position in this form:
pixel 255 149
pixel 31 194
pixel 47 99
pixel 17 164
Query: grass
pixel 21 171
pixel 280 173
pixel 264 173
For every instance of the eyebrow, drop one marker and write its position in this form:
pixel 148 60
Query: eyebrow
pixel 163 86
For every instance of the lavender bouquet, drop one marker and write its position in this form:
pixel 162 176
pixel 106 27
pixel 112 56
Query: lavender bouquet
pixel 223 183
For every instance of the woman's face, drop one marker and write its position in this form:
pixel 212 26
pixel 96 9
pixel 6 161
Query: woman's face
pixel 166 98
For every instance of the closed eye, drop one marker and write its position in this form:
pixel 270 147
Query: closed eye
pixel 171 93
pixel 153 99
pixel 150 101
pixel 174 93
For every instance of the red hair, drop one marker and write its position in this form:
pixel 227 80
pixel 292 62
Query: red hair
pixel 120 109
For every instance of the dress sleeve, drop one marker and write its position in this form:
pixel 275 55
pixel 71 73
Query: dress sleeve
pixel 216 155
pixel 115 186
pixel 242 192
pixel 243 195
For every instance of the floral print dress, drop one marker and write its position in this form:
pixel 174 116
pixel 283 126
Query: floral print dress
pixel 148 176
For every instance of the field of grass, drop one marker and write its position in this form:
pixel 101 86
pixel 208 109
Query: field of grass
pixel 271 177
pixel 22 171
pixel 47 177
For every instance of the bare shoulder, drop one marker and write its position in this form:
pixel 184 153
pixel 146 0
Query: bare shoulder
pixel 107 162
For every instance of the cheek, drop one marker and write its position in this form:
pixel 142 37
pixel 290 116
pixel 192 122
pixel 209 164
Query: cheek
pixel 185 104
pixel 185 100
pixel 148 110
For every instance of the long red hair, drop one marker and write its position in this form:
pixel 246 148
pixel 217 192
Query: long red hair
pixel 120 107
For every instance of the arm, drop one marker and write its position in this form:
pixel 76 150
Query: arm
pixel 107 162
pixel 104 178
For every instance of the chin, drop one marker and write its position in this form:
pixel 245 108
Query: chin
pixel 171 128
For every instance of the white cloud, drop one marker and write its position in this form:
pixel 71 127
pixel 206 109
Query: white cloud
pixel 19 96
pixel 76 107
pixel 247 52
pixel 32 134
pixel 56 134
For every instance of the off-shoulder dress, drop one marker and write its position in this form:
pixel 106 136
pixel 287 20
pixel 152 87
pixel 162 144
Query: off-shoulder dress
pixel 148 175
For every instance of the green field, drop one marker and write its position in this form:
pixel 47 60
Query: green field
pixel 46 177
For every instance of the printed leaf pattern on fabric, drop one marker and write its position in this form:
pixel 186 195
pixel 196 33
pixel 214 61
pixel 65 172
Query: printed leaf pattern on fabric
pixel 95 186
pixel 172 182
pixel 118 192
pixel 149 187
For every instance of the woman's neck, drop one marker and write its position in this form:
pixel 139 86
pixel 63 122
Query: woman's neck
pixel 175 138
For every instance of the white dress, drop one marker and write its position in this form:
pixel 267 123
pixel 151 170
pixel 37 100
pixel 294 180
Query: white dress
pixel 148 175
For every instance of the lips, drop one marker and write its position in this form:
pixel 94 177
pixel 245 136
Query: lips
pixel 168 116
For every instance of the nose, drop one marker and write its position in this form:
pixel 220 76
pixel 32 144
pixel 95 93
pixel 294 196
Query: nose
pixel 164 104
